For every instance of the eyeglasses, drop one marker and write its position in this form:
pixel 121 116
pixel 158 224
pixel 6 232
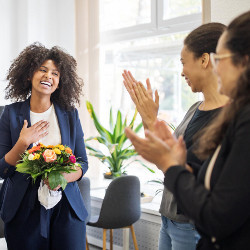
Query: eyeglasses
pixel 216 58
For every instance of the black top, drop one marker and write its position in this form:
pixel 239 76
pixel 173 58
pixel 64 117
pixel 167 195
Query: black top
pixel 221 214
pixel 199 120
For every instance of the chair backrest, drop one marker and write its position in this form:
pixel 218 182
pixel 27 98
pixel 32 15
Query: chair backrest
pixel 121 206
pixel 84 186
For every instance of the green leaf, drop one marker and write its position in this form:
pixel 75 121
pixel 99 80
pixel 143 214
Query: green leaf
pixel 55 179
pixel 137 129
pixel 111 123
pixel 150 169
pixel 103 132
pixel 93 149
pixel 22 167
pixel 131 125
pixel 171 126
pixel 118 126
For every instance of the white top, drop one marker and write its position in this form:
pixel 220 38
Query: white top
pixel 211 167
pixel 54 135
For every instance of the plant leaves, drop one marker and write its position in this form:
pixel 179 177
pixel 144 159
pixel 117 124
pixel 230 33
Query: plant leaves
pixel 55 178
pixel 102 131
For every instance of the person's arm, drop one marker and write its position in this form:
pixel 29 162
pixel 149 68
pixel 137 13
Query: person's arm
pixel 143 99
pixel 27 137
pixel 9 153
pixel 223 210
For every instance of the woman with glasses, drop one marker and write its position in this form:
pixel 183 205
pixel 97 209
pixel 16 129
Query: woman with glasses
pixel 177 233
pixel 218 200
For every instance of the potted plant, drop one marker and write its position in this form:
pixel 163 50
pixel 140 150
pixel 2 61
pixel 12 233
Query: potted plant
pixel 115 141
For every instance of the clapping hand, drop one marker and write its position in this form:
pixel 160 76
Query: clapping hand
pixel 143 99
pixel 159 147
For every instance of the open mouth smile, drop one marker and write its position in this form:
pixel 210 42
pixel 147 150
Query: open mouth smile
pixel 46 84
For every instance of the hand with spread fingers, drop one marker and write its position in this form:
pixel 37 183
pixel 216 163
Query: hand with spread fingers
pixel 143 99
pixel 159 147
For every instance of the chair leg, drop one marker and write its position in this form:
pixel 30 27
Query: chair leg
pixel 133 236
pixel 87 244
pixel 111 239
pixel 104 238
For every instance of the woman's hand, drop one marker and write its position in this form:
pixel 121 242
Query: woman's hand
pixel 143 99
pixel 26 137
pixel 33 133
pixel 164 151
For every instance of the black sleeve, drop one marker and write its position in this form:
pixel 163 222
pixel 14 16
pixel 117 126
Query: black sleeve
pixel 226 208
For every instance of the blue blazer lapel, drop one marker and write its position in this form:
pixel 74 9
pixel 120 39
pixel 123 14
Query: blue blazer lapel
pixel 63 124
pixel 24 114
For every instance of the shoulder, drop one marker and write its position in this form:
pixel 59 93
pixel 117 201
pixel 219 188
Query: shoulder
pixel 193 107
pixel 15 107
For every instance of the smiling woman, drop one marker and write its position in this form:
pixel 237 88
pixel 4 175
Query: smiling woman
pixel 57 62
pixel 45 83
pixel 176 231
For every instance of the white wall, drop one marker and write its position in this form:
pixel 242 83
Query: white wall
pixel 22 22
pixel 225 10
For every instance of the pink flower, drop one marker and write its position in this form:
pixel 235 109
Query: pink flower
pixel 49 155
pixel 72 159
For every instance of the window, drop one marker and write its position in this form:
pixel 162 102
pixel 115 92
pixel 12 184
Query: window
pixel 146 38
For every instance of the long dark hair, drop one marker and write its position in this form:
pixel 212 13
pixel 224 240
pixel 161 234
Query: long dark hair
pixel 237 41
pixel 28 62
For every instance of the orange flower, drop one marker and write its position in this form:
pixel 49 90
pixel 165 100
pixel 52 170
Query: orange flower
pixel 68 150
pixel 49 155
pixel 33 149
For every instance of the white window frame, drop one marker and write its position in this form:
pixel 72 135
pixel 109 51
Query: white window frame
pixel 156 27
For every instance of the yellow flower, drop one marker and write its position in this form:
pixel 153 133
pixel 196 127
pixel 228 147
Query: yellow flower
pixel 50 146
pixel 61 147
pixel 42 145
pixel 57 151
pixel 36 157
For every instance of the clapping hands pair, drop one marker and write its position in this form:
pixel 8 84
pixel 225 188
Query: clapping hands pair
pixel 159 145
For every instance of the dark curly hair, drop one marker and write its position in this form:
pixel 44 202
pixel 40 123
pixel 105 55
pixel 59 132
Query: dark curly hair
pixel 28 62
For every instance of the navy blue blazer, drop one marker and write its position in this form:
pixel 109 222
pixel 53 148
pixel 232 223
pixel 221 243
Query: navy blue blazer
pixel 15 184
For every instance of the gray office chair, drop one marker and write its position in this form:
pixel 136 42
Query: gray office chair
pixel 84 186
pixel 121 207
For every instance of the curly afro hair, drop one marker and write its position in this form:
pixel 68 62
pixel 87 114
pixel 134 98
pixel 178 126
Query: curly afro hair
pixel 28 62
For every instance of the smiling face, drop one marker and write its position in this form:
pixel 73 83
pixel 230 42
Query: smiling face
pixel 228 73
pixel 191 70
pixel 46 79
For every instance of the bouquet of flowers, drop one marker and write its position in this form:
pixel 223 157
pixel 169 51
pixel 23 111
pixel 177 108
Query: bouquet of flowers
pixel 49 162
